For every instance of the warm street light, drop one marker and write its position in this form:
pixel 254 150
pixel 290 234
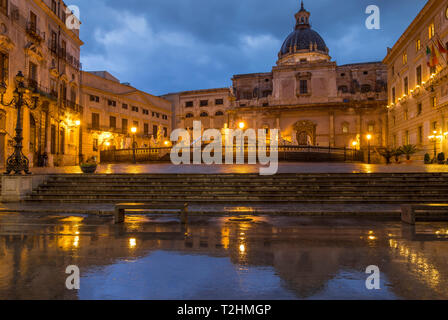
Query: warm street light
pixel 134 131
pixel 78 123
pixel 17 161
pixel 355 144
pixel 369 137
pixel 241 125
pixel 435 138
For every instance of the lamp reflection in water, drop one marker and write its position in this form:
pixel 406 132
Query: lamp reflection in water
pixel 132 243
pixel 420 265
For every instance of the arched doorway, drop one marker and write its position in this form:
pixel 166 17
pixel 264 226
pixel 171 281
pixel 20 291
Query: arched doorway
pixel 305 133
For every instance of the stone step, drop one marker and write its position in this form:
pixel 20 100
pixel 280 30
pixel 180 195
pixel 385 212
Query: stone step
pixel 253 191
pixel 247 197
pixel 245 188
pixel 238 201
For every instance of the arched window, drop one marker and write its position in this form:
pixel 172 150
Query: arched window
pixel 204 114
pixel 189 116
pixel 219 113
pixel 345 127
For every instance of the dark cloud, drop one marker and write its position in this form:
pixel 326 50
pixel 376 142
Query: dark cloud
pixel 170 45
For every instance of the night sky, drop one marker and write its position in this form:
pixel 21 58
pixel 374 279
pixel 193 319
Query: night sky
pixel 163 46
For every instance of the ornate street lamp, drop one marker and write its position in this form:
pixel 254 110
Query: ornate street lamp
pixel 17 161
pixel 435 138
pixel 134 131
pixel 369 137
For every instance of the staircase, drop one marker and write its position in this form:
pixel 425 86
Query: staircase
pixel 246 188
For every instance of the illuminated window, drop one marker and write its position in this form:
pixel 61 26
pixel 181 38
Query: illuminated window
pixel 434 102
pixel 405 58
pixel 418 45
pixel 431 30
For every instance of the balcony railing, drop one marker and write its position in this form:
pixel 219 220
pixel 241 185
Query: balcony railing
pixel 72 105
pixel 33 85
pixel 34 32
pixel 64 55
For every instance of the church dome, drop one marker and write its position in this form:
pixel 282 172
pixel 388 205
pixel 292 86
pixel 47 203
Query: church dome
pixel 303 39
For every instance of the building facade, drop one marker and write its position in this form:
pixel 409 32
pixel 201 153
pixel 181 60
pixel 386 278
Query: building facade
pixel 209 106
pixel 35 39
pixel 418 82
pixel 307 96
pixel 112 109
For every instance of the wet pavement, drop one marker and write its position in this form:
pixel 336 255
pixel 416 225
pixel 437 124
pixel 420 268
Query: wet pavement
pixel 257 257
pixel 290 167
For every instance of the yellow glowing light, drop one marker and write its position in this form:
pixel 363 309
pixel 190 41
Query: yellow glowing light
pixel 354 143
pixel 132 243
pixel 107 144
pixel 241 125
pixel 242 248
pixel 166 142
pixel 76 242
pixel 134 130
pixel 369 137
pixel 78 123
pixel 372 238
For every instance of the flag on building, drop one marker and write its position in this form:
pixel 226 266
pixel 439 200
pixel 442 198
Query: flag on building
pixel 442 48
pixel 432 56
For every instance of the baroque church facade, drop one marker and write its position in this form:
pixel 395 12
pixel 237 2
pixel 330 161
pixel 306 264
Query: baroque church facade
pixel 307 96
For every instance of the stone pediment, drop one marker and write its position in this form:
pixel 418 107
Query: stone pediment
pixel 6 43
pixel 34 51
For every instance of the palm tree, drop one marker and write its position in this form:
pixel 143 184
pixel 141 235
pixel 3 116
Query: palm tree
pixel 409 150
pixel 397 152
pixel 387 154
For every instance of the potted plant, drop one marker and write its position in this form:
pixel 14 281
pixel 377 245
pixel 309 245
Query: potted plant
pixel 409 150
pixel 89 166
pixel 396 153
pixel 428 159
pixel 387 154
pixel 441 158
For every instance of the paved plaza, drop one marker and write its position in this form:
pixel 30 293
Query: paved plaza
pixel 298 167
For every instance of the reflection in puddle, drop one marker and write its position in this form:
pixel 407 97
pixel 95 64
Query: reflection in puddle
pixel 256 257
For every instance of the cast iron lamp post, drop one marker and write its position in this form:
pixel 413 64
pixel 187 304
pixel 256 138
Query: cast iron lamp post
pixel 134 131
pixel 435 138
pixel 369 137
pixel 17 161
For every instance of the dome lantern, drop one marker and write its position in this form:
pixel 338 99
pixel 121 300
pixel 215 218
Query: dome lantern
pixel 302 18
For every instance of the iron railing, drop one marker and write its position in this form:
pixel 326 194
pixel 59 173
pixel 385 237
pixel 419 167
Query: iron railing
pixel 285 153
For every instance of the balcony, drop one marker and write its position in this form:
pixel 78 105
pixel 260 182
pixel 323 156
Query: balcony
pixel 47 93
pixel 72 106
pixel 34 32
